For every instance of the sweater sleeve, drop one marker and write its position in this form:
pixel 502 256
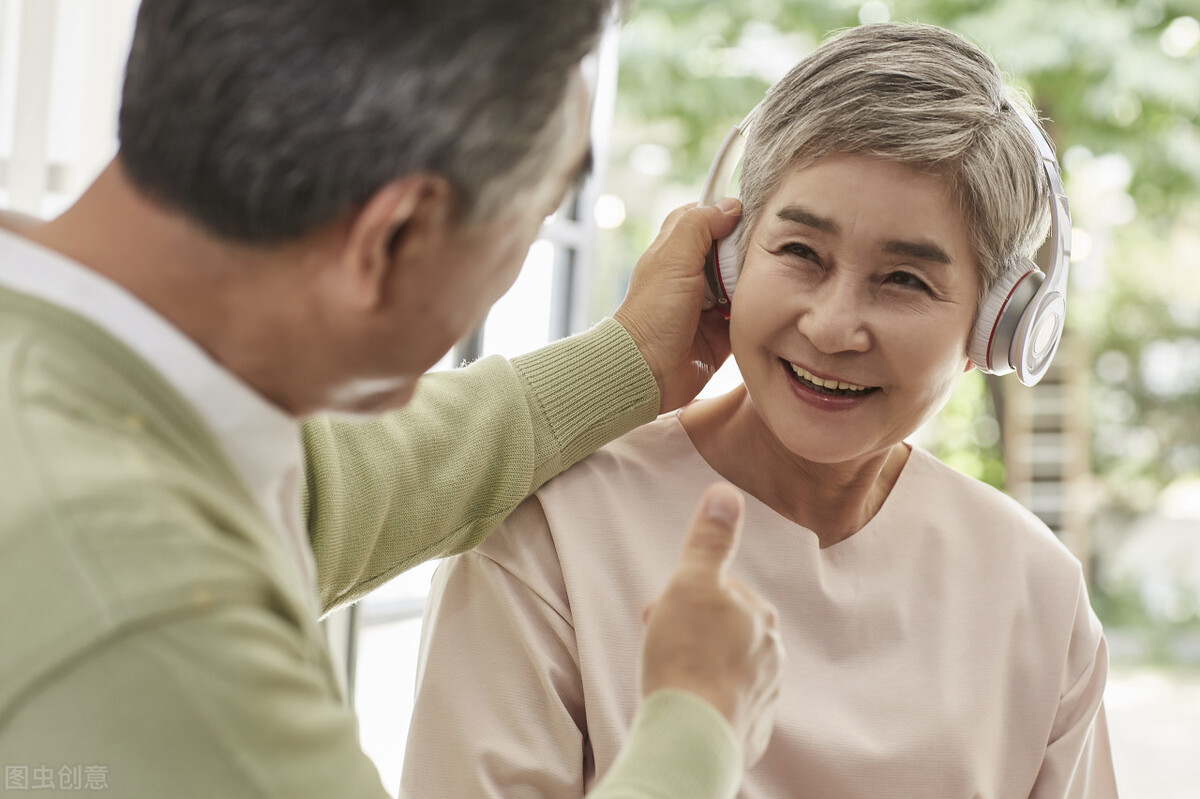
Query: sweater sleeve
pixel 434 477
pixel 679 746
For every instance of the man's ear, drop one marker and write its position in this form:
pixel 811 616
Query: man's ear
pixel 398 225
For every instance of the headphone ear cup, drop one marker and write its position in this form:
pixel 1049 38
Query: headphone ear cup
pixel 721 269
pixel 728 267
pixel 990 347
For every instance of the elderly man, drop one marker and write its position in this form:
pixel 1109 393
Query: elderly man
pixel 311 203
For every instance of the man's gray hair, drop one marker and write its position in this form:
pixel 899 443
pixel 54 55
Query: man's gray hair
pixel 919 95
pixel 264 119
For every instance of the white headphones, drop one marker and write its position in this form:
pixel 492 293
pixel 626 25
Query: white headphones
pixel 1020 321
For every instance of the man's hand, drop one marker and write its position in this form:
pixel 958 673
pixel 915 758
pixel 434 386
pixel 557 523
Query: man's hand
pixel 711 635
pixel 662 309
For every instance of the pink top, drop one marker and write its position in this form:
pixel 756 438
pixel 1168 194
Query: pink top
pixel 947 649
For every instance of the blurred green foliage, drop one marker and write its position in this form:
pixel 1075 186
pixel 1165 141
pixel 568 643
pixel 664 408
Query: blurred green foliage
pixel 1096 68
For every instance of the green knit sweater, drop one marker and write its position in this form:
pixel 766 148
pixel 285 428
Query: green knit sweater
pixel 156 639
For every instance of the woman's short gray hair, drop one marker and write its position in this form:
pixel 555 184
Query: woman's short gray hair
pixel 914 94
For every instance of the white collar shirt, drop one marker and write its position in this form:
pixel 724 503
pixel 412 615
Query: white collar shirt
pixel 260 439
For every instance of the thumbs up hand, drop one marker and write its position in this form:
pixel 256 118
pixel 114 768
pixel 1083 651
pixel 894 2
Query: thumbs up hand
pixel 711 635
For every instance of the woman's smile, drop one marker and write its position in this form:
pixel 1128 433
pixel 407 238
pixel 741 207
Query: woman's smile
pixel 826 393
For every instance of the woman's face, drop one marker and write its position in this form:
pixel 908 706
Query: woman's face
pixel 852 311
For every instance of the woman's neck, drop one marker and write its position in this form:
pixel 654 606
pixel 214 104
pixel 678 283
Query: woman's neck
pixel 834 500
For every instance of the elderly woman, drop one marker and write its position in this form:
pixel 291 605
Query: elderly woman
pixel 939 636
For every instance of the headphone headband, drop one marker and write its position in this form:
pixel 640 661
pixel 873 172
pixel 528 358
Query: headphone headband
pixel 1041 325
pixel 720 171
pixel 720 263
pixel 1055 251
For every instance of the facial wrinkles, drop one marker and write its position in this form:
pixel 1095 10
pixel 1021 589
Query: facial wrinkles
pixel 838 318
pixel 848 306
pixel 856 334
pixel 910 274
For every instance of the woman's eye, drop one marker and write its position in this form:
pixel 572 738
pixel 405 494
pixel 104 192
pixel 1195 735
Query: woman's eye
pixel 908 280
pixel 799 250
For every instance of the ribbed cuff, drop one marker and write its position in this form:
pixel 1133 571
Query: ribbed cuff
pixel 680 746
pixel 590 388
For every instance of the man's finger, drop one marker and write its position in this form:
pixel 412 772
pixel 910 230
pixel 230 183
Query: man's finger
pixel 690 230
pixel 765 610
pixel 668 225
pixel 713 536
pixel 718 221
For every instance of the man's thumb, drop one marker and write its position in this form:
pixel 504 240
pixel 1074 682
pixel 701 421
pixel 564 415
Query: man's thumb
pixel 713 537
pixel 722 224
pixel 701 226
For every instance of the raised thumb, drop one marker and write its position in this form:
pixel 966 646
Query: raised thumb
pixel 713 537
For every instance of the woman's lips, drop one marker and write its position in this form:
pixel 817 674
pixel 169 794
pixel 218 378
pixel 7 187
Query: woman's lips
pixel 826 393
pixel 832 384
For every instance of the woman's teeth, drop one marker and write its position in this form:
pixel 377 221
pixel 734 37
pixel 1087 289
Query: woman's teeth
pixel 828 385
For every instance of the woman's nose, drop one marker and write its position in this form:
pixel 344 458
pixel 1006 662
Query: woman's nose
pixel 835 318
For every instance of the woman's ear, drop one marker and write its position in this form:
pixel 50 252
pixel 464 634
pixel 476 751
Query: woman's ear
pixel 397 226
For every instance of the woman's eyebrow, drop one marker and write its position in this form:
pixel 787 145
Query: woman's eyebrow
pixel 913 249
pixel 803 216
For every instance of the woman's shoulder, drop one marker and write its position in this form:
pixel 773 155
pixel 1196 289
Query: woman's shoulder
pixel 642 487
pixel 927 472
pixel 985 514
pixel 651 454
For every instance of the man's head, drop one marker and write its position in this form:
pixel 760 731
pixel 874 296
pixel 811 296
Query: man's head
pixel 921 96
pixel 401 152
pixel 264 120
